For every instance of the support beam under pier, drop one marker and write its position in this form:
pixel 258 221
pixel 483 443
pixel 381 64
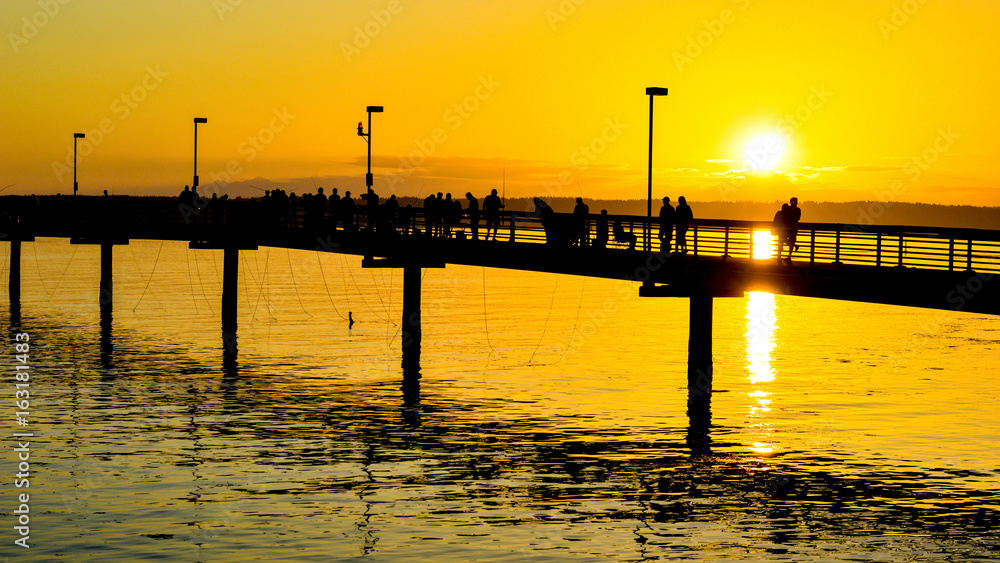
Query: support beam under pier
pixel 106 296
pixel 411 331
pixel 14 284
pixel 230 286
pixel 700 346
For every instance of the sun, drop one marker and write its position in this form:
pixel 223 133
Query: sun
pixel 764 152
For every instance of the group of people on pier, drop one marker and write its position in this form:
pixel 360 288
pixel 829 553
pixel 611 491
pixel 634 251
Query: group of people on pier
pixel 443 215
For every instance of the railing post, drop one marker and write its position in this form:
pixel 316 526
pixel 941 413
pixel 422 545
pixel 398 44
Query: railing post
pixel 694 229
pixel 968 257
pixel 510 219
pixel 725 251
pixel 750 251
pixel 878 250
pixel 900 264
pixel 951 254
pixel 837 249
pixel 812 247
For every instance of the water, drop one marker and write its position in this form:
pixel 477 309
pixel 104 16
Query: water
pixel 549 423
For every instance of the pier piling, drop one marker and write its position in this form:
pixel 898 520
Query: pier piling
pixel 14 284
pixel 106 297
pixel 230 283
pixel 411 333
pixel 700 346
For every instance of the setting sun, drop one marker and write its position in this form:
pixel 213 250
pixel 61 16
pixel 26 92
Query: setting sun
pixel 764 152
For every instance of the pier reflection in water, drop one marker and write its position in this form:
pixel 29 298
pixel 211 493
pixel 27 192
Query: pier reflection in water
pixel 314 444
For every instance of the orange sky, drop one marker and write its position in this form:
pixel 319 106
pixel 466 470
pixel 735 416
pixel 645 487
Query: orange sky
pixel 845 100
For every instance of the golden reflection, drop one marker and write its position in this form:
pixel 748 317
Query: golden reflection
pixel 761 323
pixel 763 245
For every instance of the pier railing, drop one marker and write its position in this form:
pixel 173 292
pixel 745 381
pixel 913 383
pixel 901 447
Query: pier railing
pixel 881 246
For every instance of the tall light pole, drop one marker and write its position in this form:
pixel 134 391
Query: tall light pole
pixel 648 230
pixel 197 120
pixel 76 186
pixel 368 139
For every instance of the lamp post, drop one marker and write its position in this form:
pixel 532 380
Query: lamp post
pixel 368 139
pixel 76 186
pixel 197 120
pixel 648 230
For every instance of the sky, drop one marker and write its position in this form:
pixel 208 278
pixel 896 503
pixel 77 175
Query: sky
pixel 827 101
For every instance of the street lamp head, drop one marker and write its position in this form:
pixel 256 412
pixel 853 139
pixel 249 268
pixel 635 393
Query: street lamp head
pixel 374 109
pixel 654 91
pixel 201 120
pixel 78 135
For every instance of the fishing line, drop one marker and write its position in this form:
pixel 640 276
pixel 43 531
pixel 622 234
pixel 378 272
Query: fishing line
pixel 41 281
pixel 486 321
pixel 323 274
pixel 187 259
pixel 343 281
pixel 58 283
pixel 137 268
pixel 546 323
pixel 361 293
pixel 201 281
pixel 291 274
pixel 572 333
pixel 378 293
pixel 155 262
pixel 400 327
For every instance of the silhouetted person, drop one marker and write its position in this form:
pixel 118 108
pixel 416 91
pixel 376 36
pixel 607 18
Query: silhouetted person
pixel 334 203
pixel 621 235
pixel 372 198
pixel 793 217
pixel 473 212
pixel 391 208
pixel 682 219
pixel 429 221
pixel 406 221
pixel 439 213
pixel 781 230
pixel 185 196
pixel 601 231
pixel 347 212
pixel 666 225
pixel 491 207
pixel 350 315
pixel 319 205
pixel 448 212
pixel 547 217
pixel 581 220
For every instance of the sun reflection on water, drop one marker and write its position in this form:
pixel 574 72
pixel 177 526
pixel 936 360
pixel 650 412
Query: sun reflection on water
pixel 761 323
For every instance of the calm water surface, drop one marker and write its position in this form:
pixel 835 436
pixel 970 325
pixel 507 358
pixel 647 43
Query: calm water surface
pixel 549 422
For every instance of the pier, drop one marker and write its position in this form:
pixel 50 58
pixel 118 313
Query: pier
pixel 939 268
